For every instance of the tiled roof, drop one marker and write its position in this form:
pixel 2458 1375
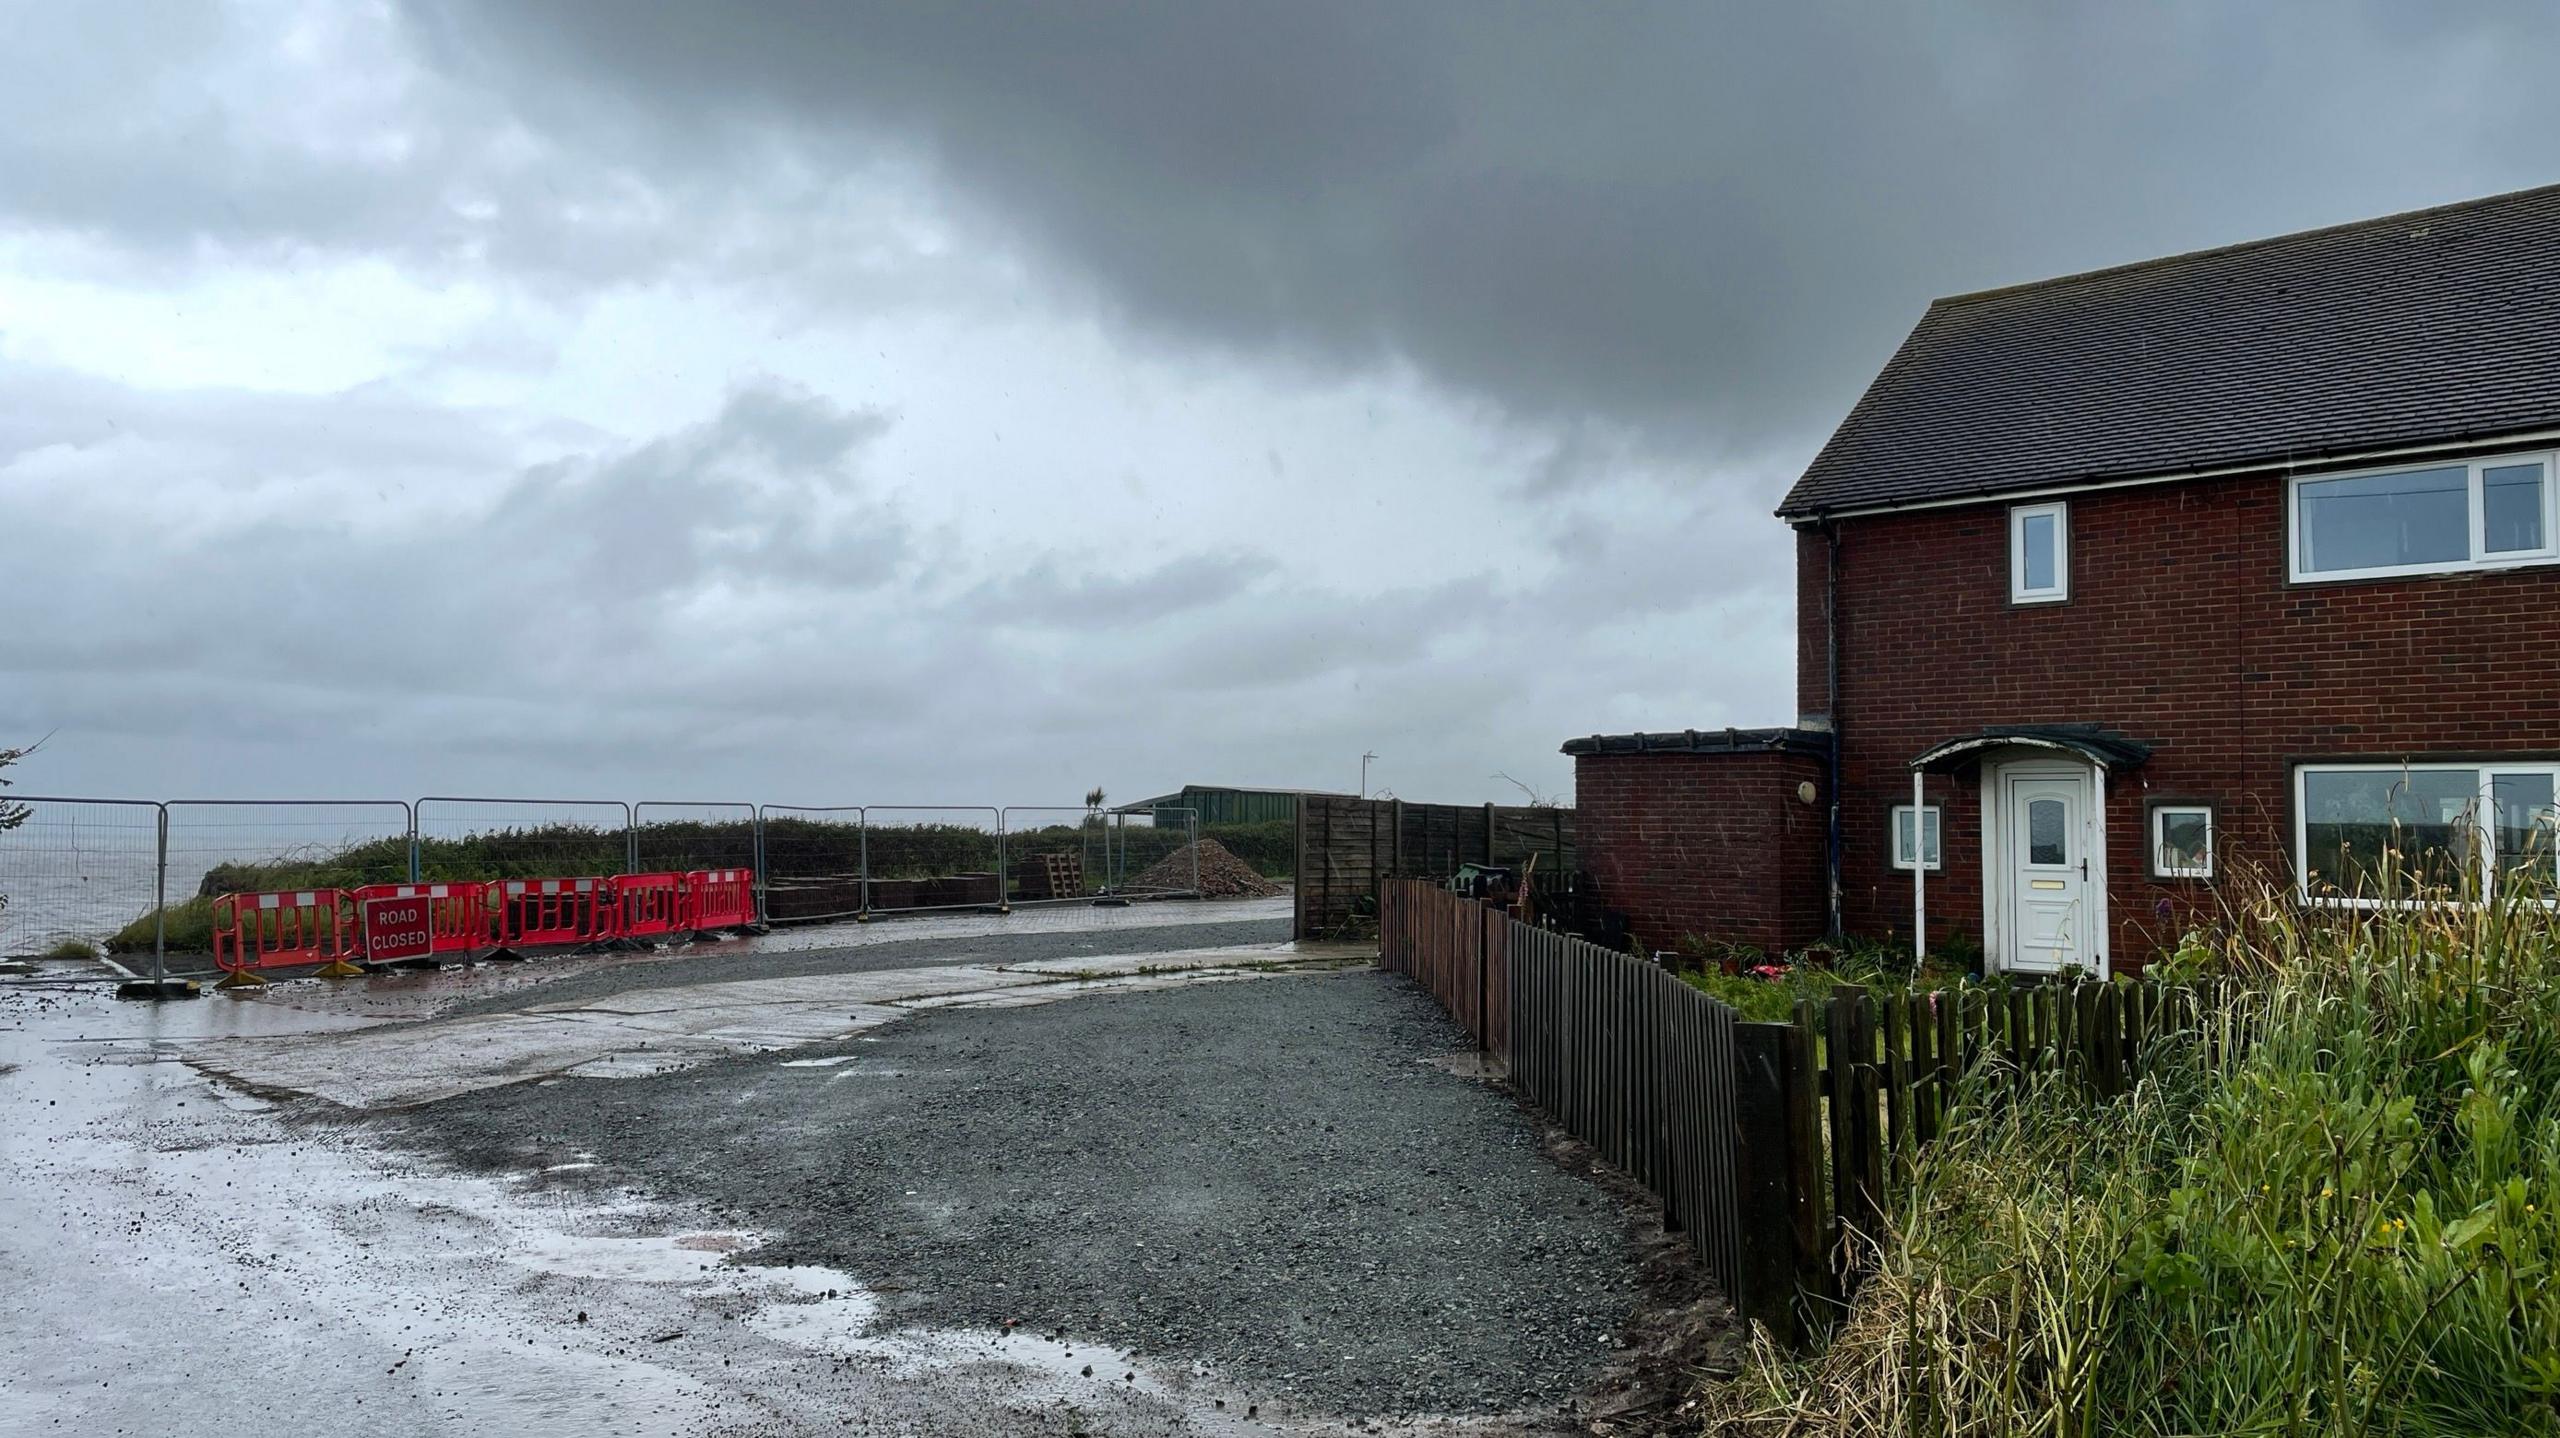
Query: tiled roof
pixel 2436 325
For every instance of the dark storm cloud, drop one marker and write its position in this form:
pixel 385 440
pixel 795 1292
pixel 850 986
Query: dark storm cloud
pixel 1709 220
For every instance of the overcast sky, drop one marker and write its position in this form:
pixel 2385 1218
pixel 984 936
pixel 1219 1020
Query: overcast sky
pixel 836 403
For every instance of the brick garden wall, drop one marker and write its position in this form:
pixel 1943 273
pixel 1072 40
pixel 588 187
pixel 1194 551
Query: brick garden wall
pixel 1717 845
pixel 2181 631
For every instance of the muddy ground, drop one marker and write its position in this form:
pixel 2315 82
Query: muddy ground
pixel 934 1181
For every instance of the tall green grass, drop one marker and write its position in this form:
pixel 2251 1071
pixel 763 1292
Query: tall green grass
pixel 2331 1206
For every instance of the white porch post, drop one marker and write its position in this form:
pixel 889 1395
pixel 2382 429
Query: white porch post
pixel 2098 847
pixel 1920 870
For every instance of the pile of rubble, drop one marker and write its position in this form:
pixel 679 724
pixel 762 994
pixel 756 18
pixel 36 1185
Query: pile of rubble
pixel 1222 874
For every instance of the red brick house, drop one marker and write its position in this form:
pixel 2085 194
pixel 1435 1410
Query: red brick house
pixel 2247 557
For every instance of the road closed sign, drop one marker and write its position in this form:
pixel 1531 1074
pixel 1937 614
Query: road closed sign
pixel 397 929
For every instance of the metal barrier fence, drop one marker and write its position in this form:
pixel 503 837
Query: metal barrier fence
pixel 527 838
pixel 811 863
pixel 80 871
pixel 342 843
pixel 139 876
pixel 1055 854
pixel 924 856
pixel 684 837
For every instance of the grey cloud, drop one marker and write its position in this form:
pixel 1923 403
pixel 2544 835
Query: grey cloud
pixel 1044 596
pixel 1709 220
pixel 764 492
pixel 1613 267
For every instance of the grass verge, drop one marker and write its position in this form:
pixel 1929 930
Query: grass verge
pixel 2331 1208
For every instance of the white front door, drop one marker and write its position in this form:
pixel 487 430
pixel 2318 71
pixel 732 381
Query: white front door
pixel 2049 899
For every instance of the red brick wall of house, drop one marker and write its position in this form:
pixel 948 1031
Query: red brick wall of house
pixel 2181 631
pixel 1716 845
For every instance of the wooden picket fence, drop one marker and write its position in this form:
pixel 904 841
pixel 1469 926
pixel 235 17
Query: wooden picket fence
pixel 1868 1079
pixel 1624 1055
pixel 1455 947
pixel 1775 1147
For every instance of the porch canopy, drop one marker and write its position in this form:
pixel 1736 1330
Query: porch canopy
pixel 2106 750
pixel 2103 747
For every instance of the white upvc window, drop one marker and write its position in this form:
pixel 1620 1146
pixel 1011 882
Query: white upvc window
pixel 2424 518
pixel 1929 833
pixel 2368 833
pixel 2182 841
pixel 2040 553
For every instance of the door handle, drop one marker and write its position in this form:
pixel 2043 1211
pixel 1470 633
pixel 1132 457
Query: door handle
pixel 2084 869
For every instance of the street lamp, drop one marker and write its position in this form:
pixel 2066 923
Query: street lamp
pixel 1364 774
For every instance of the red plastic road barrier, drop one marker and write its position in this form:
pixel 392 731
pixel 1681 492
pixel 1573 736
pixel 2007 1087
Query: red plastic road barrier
pixel 457 917
pixel 552 911
pixel 288 929
pixel 397 930
pixel 647 905
pixel 720 899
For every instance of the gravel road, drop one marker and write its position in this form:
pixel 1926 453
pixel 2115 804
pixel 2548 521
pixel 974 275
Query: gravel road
pixel 1266 1176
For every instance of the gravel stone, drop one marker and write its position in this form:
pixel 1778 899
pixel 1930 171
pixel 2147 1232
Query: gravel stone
pixel 1266 1176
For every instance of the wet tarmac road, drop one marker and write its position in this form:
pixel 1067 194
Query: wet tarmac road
pixel 200 1256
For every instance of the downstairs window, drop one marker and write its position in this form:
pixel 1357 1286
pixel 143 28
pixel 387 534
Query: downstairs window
pixel 2380 832
pixel 1928 837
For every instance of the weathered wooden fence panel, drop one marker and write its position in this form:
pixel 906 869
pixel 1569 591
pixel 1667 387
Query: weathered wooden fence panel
pixel 1348 847
pixel 1448 944
pixel 1869 1079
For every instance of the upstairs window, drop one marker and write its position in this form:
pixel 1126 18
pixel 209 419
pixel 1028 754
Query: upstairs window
pixel 2425 519
pixel 2039 553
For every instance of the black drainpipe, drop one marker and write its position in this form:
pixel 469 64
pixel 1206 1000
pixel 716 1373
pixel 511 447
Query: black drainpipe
pixel 1831 700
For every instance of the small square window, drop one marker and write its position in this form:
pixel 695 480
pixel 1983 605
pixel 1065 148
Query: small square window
pixel 2182 841
pixel 1902 835
pixel 2039 553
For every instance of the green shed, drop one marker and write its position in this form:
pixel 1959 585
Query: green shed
pixel 1222 804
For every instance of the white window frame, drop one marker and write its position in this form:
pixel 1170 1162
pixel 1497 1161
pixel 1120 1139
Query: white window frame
pixel 2485 839
pixel 2476 517
pixel 2060 589
pixel 2161 868
pixel 1936 817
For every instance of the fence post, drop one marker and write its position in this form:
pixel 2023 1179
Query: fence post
pixel 1298 870
pixel 757 888
pixel 630 840
pixel 1488 833
pixel 1485 919
pixel 1769 1267
pixel 160 901
pixel 414 857
pixel 1801 1094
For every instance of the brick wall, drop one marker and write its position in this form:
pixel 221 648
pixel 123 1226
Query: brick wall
pixel 1717 845
pixel 2181 631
